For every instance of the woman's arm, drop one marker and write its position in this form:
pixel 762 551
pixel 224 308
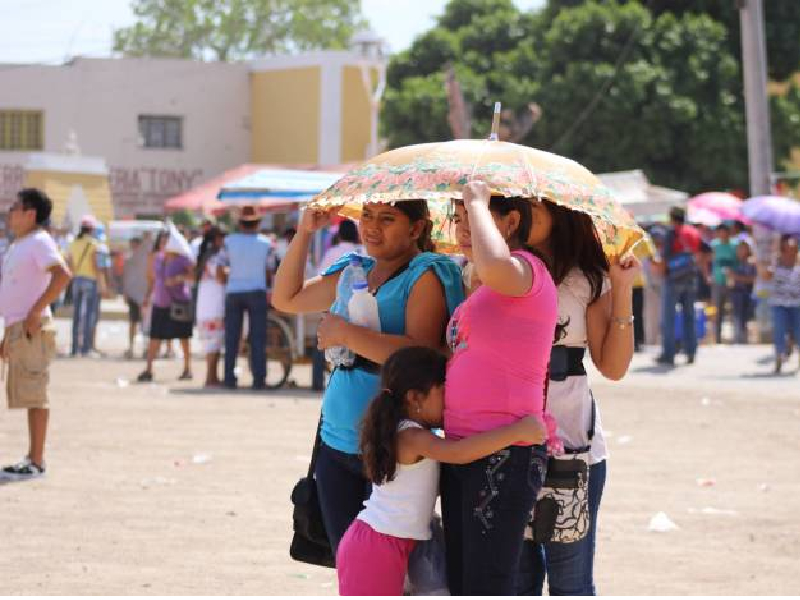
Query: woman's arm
pixel 415 442
pixel 291 293
pixel 151 277
pixel 426 319
pixel 494 264
pixel 609 334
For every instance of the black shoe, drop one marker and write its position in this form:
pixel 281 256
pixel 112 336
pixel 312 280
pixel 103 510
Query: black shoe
pixel 145 377
pixel 230 385
pixel 663 360
pixel 259 387
pixel 690 359
pixel 185 376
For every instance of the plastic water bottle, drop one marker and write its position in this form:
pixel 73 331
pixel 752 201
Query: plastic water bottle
pixel 363 307
pixel 339 356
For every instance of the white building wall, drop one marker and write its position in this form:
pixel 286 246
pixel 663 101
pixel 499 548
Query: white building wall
pixel 101 100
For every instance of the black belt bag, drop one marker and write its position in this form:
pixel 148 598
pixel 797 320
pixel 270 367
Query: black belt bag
pixel 566 361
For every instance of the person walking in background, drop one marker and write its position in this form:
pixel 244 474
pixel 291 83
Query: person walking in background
pixel 679 266
pixel 246 262
pixel 742 280
pixel 785 297
pixel 173 274
pixel 82 260
pixel 34 275
pixel 134 286
pixel 723 262
pixel 211 302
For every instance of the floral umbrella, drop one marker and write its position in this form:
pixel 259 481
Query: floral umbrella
pixel 726 206
pixel 437 172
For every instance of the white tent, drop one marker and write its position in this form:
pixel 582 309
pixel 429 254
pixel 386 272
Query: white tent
pixel 645 201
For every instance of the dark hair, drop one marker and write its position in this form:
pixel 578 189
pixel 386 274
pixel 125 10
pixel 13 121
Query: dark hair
pixel 723 227
pixel 410 369
pixel 785 239
pixel 85 230
pixel 348 232
pixel 32 198
pixel 504 206
pixel 677 215
pixel 574 243
pixel 206 250
pixel 161 235
pixel 417 210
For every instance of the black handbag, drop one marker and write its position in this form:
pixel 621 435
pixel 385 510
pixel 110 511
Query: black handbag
pixel 310 542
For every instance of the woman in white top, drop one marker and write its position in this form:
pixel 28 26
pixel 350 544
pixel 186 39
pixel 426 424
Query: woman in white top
pixel 211 302
pixel 401 457
pixel 595 309
pixel 784 298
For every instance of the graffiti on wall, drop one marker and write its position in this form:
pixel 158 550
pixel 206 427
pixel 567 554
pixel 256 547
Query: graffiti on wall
pixel 134 190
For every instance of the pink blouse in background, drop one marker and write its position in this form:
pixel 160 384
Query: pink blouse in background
pixel 501 348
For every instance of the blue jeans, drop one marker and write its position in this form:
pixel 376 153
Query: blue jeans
pixel 85 303
pixel 255 303
pixel 671 295
pixel 785 320
pixel 342 489
pixel 486 506
pixel 569 567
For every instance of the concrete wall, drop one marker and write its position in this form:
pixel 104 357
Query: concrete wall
pixel 100 100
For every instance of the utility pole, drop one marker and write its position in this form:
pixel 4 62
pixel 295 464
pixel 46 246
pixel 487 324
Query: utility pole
pixel 759 137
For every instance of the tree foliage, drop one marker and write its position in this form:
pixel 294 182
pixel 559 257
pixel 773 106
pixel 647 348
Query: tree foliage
pixel 620 87
pixel 235 29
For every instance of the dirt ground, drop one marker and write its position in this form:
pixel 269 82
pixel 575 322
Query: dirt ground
pixel 165 489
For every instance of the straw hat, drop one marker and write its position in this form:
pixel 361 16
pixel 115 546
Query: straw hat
pixel 249 214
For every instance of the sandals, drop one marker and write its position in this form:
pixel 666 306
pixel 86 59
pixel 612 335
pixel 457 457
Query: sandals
pixel 185 376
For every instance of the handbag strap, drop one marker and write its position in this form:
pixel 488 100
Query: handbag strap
pixel 85 250
pixel 315 452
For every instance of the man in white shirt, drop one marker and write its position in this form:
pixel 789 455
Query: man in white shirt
pixel 34 275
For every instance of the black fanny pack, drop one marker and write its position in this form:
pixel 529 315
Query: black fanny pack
pixel 566 361
pixel 363 364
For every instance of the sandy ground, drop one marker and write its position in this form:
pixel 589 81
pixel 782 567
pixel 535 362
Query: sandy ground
pixel 124 508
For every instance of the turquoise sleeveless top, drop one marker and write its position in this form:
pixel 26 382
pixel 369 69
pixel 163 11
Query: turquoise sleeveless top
pixel 350 391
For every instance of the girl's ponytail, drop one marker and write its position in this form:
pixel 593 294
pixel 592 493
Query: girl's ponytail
pixel 379 436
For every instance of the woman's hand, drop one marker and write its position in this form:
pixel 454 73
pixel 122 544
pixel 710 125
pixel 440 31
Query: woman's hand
pixel 313 219
pixel 332 331
pixel 532 430
pixel 476 193
pixel 624 272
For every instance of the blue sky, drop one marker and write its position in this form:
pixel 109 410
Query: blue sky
pixel 51 30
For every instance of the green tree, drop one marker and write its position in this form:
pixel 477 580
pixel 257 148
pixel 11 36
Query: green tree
pixel 236 29
pixel 781 25
pixel 619 87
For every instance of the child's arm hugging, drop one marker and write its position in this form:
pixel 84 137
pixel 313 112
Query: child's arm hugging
pixel 415 443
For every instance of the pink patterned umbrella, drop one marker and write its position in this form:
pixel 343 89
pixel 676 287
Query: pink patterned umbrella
pixel 726 206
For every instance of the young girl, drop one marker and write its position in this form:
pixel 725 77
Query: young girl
pixel 401 457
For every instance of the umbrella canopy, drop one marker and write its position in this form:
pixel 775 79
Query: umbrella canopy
pixel 774 212
pixel 703 216
pixel 437 172
pixel 726 206
pixel 277 183
pixel 203 198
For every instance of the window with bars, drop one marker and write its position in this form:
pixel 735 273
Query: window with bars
pixel 21 130
pixel 161 132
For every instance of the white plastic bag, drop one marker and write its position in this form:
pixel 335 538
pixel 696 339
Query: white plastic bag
pixel 427 565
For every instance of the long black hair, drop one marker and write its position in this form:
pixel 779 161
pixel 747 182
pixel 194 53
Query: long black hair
pixel 574 243
pixel 206 250
pixel 417 210
pixel 159 238
pixel 410 369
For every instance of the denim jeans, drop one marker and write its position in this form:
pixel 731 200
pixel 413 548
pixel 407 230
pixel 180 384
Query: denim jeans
pixel 569 567
pixel 85 303
pixel 255 303
pixel 785 320
pixel 742 301
pixel 486 505
pixel 720 293
pixel 342 489
pixel 672 294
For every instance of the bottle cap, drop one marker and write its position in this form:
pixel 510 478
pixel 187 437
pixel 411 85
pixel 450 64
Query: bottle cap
pixel 355 260
pixel 360 285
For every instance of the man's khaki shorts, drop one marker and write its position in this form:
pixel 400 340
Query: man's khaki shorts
pixel 29 365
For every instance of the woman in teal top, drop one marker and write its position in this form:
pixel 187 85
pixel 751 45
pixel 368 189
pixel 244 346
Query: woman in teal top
pixel 416 290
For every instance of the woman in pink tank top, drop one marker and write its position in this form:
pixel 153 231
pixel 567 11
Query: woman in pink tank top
pixel 500 339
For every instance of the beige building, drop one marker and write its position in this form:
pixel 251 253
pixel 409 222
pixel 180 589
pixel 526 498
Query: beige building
pixel 163 126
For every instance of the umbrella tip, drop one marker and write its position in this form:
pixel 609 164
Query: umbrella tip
pixel 494 135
